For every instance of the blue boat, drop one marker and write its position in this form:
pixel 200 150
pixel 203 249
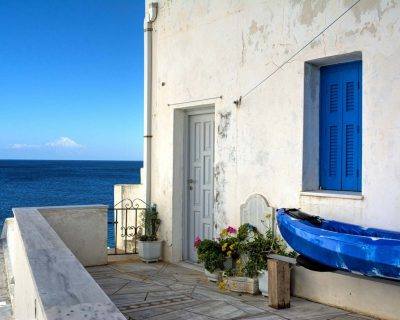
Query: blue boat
pixel 368 251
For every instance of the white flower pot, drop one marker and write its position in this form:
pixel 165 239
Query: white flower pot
pixel 263 282
pixel 150 251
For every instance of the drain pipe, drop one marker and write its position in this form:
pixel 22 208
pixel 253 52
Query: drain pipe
pixel 151 16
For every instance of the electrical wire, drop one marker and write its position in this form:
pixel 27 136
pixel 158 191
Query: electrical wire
pixel 191 101
pixel 238 102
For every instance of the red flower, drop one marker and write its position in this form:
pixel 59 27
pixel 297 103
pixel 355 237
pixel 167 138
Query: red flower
pixel 197 241
pixel 231 230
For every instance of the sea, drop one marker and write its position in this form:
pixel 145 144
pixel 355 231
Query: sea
pixel 32 183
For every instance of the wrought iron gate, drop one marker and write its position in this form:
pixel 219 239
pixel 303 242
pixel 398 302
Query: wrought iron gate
pixel 125 219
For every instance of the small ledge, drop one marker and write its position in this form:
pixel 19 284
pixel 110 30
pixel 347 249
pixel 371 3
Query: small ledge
pixel 333 194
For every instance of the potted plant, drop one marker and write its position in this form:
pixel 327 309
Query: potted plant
pixel 229 245
pixel 239 281
pixel 210 253
pixel 244 253
pixel 150 248
pixel 243 277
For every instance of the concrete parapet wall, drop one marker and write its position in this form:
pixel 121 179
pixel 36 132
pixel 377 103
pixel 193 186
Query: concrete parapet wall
pixel 83 229
pixel 23 292
pixel 49 281
pixel 128 191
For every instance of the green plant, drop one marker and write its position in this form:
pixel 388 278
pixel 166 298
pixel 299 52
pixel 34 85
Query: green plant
pixel 151 224
pixel 247 247
pixel 239 270
pixel 256 247
pixel 278 246
pixel 256 250
pixel 210 252
pixel 229 243
pixel 229 247
pixel 229 272
pixel 246 231
pixel 291 254
pixel 251 268
pixel 148 238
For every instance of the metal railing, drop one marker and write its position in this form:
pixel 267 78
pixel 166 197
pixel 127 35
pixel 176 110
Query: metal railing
pixel 127 225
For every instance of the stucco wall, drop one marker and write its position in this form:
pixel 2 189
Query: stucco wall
pixel 83 229
pixel 128 218
pixel 369 296
pixel 223 48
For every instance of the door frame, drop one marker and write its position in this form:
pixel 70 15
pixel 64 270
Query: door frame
pixel 209 109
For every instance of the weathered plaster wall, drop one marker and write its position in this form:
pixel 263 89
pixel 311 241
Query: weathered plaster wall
pixel 206 49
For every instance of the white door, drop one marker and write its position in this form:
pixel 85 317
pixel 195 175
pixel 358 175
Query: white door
pixel 200 180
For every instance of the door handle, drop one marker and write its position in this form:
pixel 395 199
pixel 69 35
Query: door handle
pixel 190 182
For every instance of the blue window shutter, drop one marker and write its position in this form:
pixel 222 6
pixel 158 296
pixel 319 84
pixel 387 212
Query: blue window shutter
pixel 351 155
pixel 340 127
pixel 331 128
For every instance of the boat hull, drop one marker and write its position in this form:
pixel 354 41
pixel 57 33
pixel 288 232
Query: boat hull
pixel 371 252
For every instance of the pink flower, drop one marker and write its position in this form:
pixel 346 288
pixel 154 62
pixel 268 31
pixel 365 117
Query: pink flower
pixel 197 241
pixel 231 230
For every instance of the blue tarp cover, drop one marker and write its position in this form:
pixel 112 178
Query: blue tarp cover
pixel 367 251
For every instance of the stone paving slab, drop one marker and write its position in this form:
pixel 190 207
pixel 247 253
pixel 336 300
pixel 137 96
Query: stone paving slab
pixel 167 291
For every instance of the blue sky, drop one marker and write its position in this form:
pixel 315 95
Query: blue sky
pixel 71 79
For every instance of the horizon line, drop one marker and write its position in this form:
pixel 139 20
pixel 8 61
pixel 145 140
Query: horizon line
pixel 69 160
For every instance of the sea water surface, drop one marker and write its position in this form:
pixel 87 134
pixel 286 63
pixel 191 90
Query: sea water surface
pixel 30 183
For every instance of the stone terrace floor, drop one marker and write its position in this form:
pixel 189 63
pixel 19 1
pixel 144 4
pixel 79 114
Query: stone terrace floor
pixel 168 291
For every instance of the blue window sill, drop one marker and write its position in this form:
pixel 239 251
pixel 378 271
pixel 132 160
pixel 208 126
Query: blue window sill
pixel 333 194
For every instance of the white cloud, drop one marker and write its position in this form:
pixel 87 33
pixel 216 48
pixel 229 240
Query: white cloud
pixel 63 142
pixel 23 146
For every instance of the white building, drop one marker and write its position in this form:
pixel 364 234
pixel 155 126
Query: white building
pixel 322 132
pixel 297 101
